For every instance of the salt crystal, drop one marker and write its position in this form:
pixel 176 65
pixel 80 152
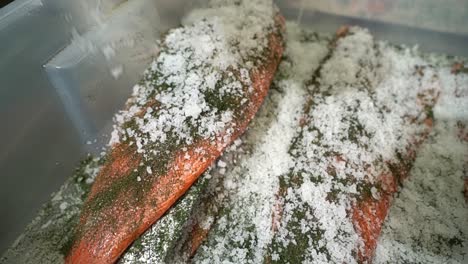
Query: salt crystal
pixel 63 206
pixel 108 52
pixel 117 71
pixel 375 193
pixel 221 164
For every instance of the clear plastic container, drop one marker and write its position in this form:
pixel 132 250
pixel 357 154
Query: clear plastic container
pixel 67 66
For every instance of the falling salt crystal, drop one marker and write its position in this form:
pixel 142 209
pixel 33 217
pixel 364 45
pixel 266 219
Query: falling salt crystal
pixel 138 178
pixel 117 71
pixel 148 169
pixel 108 52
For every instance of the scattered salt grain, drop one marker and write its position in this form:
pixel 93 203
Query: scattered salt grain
pixel 221 164
pixel 148 169
pixel 47 224
pixel 238 142
pixel 375 193
pixel 63 206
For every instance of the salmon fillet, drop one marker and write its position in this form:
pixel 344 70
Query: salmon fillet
pixel 195 99
pixel 366 111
